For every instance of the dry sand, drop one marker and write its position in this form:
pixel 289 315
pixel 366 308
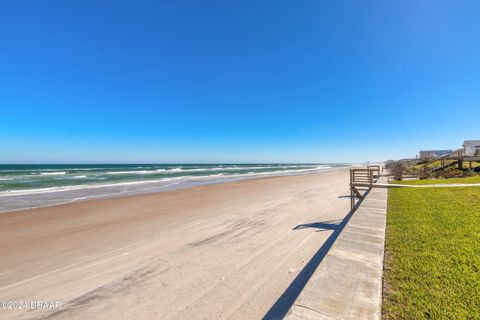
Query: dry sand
pixel 210 252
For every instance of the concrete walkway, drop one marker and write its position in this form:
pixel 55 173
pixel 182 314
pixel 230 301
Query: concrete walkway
pixel 348 282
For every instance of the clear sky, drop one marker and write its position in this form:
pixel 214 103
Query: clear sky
pixel 236 81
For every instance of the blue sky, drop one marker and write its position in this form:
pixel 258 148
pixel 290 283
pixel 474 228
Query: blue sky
pixel 236 81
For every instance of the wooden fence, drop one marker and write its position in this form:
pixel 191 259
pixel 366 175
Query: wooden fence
pixel 361 181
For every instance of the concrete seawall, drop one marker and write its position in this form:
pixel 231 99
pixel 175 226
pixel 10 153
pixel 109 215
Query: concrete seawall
pixel 348 282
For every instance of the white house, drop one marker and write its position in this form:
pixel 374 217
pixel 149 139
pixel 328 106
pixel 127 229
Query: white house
pixel 471 148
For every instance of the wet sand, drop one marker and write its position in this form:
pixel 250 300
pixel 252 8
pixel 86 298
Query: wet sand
pixel 209 252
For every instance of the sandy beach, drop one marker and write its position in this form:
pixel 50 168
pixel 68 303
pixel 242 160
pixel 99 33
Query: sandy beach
pixel 210 252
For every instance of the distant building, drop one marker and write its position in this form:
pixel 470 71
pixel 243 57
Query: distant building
pixel 471 148
pixel 433 154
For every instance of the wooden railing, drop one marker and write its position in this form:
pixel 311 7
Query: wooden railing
pixel 361 176
pixel 376 170
pixel 361 181
pixel 446 160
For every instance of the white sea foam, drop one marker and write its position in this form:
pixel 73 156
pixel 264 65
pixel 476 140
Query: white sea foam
pixel 127 172
pixel 227 168
pixel 144 171
pixel 292 169
pixel 54 173
pixel 85 186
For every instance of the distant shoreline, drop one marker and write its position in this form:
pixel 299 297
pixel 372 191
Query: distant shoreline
pixel 30 199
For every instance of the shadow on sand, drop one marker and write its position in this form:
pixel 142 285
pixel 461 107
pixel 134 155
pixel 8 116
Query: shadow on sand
pixel 280 308
pixel 322 226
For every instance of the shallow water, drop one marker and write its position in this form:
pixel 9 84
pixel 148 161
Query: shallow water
pixel 28 186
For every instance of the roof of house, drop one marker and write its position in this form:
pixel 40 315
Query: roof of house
pixel 435 151
pixel 472 143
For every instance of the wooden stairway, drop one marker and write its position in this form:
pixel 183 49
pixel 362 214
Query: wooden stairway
pixel 448 160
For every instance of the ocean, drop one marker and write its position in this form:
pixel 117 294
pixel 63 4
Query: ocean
pixel 29 186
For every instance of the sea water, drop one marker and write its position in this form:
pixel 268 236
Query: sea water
pixel 29 186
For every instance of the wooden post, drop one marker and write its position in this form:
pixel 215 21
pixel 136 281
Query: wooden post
pixel 352 195
pixel 352 199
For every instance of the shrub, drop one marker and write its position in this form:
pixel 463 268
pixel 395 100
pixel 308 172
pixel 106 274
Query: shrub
pixel 452 173
pixel 468 173
pixel 425 174
pixel 397 169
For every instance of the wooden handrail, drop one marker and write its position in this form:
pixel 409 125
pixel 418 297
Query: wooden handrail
pixel 454 155
pixel 361 178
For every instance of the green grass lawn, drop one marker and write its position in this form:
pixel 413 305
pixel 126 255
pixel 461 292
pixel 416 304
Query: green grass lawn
pixel 432 257
pixel 474 179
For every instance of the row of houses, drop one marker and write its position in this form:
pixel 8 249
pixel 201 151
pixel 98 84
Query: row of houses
pixel 471 148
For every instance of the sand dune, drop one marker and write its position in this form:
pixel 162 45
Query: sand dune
pixel 210 252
